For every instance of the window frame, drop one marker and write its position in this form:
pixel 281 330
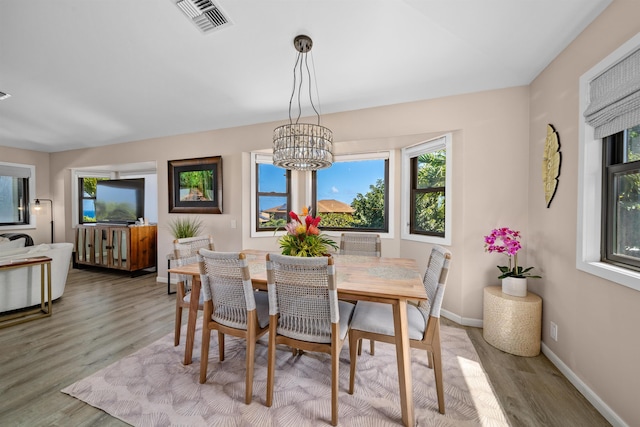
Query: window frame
pixel 388 157
pixel 30 191
pixel 590 187
pixel 408 153
pixel 613 155
pixel 266 158
pixel 76 192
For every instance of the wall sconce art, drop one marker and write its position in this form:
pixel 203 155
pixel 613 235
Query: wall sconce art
pixel 551 159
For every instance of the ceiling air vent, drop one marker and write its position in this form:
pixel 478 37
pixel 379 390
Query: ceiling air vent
pixel 4 96
pixel 204 14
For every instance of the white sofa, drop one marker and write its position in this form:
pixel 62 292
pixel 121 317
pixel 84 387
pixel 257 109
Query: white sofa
pixel 20 287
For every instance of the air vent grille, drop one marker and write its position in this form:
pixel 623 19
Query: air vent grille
pixel 4 96
pixel 204 14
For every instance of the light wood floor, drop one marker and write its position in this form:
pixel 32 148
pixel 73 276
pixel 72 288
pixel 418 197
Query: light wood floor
pixel 104 316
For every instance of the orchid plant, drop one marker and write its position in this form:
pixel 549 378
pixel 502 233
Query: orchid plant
pixel 304 238
pixel 507 241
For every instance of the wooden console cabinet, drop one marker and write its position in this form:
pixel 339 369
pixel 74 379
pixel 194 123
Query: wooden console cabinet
pixel 120 247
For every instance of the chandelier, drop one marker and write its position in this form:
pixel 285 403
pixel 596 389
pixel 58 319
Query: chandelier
pixel 302 146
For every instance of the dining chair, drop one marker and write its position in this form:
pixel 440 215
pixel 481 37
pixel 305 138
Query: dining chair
pixel 185 251
pixel 360 244
pixel 374 321
pixel 231 307
pixel 305 313
pixel 363 245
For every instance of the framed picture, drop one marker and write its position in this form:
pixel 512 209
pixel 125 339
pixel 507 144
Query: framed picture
pixel 195 185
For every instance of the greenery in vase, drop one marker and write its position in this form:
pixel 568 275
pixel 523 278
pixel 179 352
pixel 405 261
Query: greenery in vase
pixel 182 227
pixel 507 241
pixel 304 238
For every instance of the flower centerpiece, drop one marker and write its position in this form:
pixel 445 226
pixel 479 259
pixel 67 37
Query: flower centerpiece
pixel 304 238
pixel 507 241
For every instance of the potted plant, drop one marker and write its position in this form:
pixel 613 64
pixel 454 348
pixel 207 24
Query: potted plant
pixel 514 277
pixel 187 226
pixel 304 238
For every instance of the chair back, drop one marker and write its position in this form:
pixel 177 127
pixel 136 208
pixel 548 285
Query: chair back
pixel 360 244
pixel 226 282
pixel 303 292
pixel 435 280
pixel 187 248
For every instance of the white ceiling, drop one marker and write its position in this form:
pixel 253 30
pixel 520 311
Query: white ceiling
pixel 91 73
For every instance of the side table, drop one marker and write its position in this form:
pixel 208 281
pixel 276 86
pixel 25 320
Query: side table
pixel 512 324
pixel 45 277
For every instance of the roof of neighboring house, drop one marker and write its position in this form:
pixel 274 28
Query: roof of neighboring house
pixel 333 206
pixel 277 209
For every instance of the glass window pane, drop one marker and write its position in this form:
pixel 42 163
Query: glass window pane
pixel 13 201
pixel 272 179
pixel 351 194
pixel 429 212
pixel 632 146
pixel 627 216
pixel 89 210
pixel 272 211
pixel 431 169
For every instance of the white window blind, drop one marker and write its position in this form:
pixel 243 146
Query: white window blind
pixel 614 101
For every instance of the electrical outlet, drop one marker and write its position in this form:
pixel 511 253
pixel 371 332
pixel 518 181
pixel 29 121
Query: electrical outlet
pixel 233 223
pixel 553 331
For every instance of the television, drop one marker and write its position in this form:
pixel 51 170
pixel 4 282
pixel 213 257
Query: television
pixel 120 201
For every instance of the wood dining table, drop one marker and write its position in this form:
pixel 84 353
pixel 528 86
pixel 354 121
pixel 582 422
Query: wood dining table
pixel 392 281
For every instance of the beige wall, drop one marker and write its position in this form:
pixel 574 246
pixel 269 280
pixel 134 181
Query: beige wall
pixel 597 320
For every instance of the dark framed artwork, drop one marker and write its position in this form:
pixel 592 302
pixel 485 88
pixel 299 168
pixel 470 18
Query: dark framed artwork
pixel 195 185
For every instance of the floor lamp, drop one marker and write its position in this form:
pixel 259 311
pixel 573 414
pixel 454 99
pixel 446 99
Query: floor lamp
pixel 37 207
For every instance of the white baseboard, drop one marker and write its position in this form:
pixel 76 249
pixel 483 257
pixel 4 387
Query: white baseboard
pixel 464 321
pixel 161 279
pixel 595 400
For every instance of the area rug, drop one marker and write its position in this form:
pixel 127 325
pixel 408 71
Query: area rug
pixel 153 388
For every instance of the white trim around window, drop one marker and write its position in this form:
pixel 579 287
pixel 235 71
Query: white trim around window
pixel 75 175
pixel 446 142
pixel 590 184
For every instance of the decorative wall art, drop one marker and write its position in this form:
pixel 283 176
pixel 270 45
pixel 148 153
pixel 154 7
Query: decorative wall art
pixel 195 185
pixel 551 159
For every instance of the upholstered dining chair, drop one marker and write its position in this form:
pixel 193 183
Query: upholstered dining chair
pixel 363 245
pixel 185 251
pixel 375 321
pixel 232 307
pixel 305 314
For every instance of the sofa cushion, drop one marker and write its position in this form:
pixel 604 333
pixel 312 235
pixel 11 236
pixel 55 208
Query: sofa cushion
pixel 12 244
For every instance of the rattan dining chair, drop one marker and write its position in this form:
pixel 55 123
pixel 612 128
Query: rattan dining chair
pixel 363 245
pixel 231 307
pixel 375 321
pixel 185 251
pixel 305 313
pixel 360 244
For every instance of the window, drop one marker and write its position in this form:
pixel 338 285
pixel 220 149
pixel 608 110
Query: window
pixel 16 187
pixel 353 194
pixel 621 198
pixel 426 183
pixel 272 194
pixel 602 247
pixel 87 205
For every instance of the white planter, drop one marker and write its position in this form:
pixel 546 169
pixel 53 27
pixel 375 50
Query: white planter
pixel 515 286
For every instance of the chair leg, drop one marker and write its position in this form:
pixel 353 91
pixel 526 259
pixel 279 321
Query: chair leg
pixel 204 353
pixel 271 358
pixel 221 346
pixel 335 364
pixel 354 347
pixel 251 351
pixel 372 345
pixel 436 355
pixel 359 347
pixel 429 359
